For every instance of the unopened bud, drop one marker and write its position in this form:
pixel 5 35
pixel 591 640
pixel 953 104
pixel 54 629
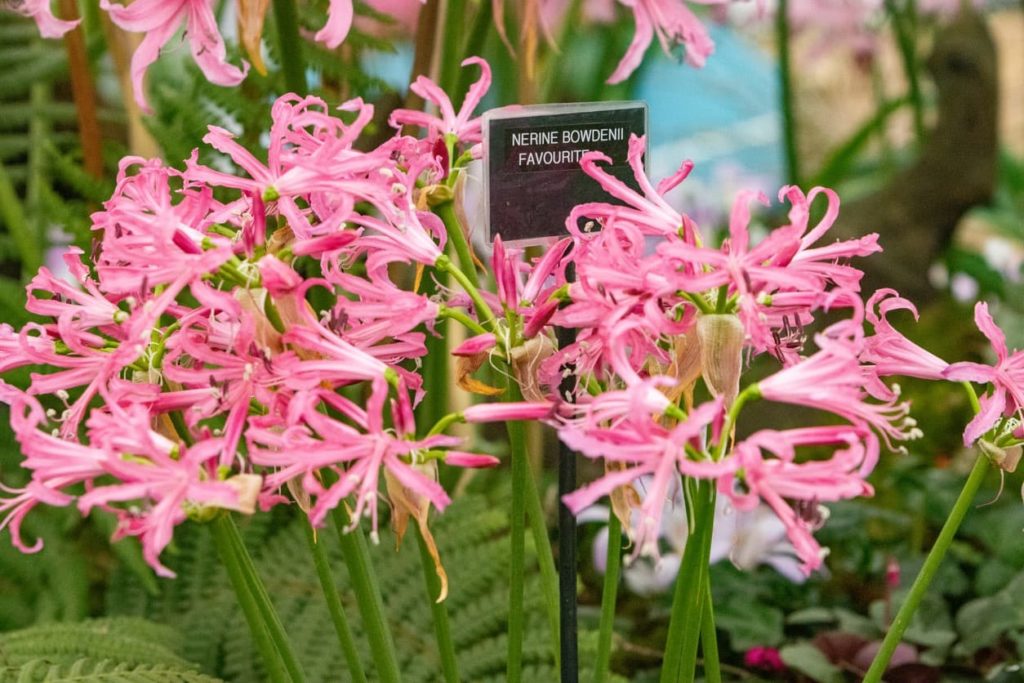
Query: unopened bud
pixel 721 353
pixel 1006 459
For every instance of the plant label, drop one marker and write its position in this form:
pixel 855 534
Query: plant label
pixel 532 159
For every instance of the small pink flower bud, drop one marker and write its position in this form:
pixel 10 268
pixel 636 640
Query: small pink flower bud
pixel 461 459
pixel 503 412
pixel 892 573
pixel 278 277
pixel 475 345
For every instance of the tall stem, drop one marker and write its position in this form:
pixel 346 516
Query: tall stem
pixel 928 569
pixel 442 627
pixel 548 575
pixel 83 92
pixel 933 560
pixel 520 475
pixel 708 636
pixel 371 605
pixel 612 567
pixel 680 662
pixel 904 26
pixel 446 212
pixel 787 95
pixel 334 605
pixel 289 46
pixel 271 640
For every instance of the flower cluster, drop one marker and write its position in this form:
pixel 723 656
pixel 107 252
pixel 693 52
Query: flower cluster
pixel 244 340
pixel 160 20
pixel 189 370
pixel 663 318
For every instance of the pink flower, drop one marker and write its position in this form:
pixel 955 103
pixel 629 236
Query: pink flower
pixel 889 352
pixel 310 158
pixel 355 449
pixel 647 209
pixel 834 381
pixel 461 125
pixel 1007 378
pixel 765 658
pixel 39 11
pixel 169 480
pixel 159 21
pixel 776 480
pixel 673 23
pixel 647 449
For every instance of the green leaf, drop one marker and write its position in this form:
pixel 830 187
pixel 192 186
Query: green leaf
pixel 811 662
pixel 750 625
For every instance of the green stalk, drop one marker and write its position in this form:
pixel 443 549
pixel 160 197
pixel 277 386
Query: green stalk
pixel 932 561
pixel 680 662
pixel 13 215
pixel 224 538
pixel 371 605
pixel 453 25
pixel 457 315
pixel 334 605
pixel 788 106
pixel 904 28
pixel 468 278
pixel 266 606
pixel 709 637
pixel 446 212
pixel 928 569
pixel 520 477
pixel 289 46
pixel 548 574
pixel 442 628
pixel 475 41
pixel 613 565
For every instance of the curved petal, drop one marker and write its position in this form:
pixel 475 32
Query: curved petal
pixel 208 46
pixel 339 21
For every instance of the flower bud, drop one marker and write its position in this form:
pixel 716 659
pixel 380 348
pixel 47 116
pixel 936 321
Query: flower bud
pixel 721 353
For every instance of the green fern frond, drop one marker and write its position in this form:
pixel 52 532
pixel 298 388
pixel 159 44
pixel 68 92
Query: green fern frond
pixel 123 640
pixel 87 670
pixel 472 536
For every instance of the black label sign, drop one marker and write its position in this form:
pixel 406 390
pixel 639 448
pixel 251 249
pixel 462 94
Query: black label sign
pixel 533 156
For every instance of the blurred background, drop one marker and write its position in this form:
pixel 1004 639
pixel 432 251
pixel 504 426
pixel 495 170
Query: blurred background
pixel 913 110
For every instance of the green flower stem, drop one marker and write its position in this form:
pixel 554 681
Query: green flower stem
pixel 442 627
pixel 475 40
pixel 483 311
pixel 932 561
pixel 289 46
pixel 371 605
pixel 453 26
pixel 520 479
pixel 334 605
pixel 548 574
pixel 903 26
pixel 927 573
pixel 782 39
pixel 270 639
pixel 613 565
pixel 708 636
pixel 468 278
pixel 680 662
pixel 459 316
pixel 446 212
